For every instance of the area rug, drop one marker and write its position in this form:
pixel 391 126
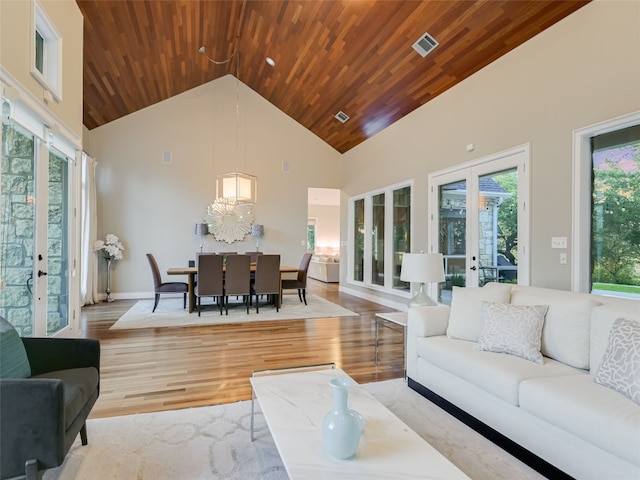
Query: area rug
pixel 213 443
pixel 171 314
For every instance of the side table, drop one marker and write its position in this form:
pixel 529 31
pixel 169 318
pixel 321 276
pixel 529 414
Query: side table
pixel 393 318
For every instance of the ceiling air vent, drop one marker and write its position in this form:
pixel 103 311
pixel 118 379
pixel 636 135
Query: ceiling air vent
pixel 425 44
pixel 343 117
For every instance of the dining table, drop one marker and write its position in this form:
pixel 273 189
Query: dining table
pixel 191 273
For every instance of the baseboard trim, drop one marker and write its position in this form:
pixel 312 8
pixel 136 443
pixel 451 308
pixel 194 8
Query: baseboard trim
pixel 531 459
pixel 372 297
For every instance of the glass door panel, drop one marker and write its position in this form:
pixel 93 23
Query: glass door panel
pixel 17 226
pixel 377 240
pixel 452 235
pixel 34 262
pixel 498 227
pixel 58 244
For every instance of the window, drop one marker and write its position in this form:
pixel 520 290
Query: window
pixel 358 240
pixel 606 230
pixel 311 235
pixel 377 240
pixel 381 234
pixel 615 212
pixel 46 64
pixel 401 233
pixel 39 53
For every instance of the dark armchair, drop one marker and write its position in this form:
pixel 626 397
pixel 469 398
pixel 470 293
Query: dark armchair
pixel 45 401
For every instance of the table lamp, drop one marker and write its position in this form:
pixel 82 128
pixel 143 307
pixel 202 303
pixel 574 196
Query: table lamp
pixel 257 232
pixel 422 268
pixel 202 229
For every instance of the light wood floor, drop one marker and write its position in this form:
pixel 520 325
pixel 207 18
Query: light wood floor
pixel 152 369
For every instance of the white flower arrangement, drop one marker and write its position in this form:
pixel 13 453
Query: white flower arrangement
pixel 111 247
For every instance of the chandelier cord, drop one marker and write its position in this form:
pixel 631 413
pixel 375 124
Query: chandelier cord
pixel 216 62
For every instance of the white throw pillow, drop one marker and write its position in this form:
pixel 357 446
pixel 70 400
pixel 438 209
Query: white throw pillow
pixel 512 329
pixel 620 367
pixel 566 333
pixel 464 320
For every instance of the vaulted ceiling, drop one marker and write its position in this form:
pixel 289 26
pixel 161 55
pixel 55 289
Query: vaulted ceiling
pixel 353 56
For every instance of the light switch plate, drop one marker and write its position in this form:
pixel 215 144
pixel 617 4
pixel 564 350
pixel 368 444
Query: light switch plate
pixel 558 242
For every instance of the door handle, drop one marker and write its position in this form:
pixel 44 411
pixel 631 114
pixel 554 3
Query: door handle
pixel 41 273
pixel 472 268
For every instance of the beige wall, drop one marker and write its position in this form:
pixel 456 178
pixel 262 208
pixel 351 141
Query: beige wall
pixel 153 207
pixel 583 70
pixel 16 27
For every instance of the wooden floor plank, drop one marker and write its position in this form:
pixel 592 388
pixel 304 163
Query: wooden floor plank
pixel 154 369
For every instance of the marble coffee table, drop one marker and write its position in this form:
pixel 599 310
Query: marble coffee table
pixel 294 405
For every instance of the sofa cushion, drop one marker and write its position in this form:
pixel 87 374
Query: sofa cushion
pixel 620 367
pixel 79 385
pixel 13 356
pixel 496 373
pixel 512 329
pixel 465 322
pixel 590 411
pixel 566 331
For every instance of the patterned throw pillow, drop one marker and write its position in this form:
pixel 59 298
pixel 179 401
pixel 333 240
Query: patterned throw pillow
pixel 620 367
pixel 512 329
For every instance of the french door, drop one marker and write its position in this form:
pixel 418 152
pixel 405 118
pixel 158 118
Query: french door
pixel 478 220
pixel 35 192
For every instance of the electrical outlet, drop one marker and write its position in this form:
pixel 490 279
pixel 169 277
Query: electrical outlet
pixel 563 258
pixel 558 242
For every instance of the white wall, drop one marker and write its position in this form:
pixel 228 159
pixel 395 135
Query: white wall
pixel 583 70
pixel 153 206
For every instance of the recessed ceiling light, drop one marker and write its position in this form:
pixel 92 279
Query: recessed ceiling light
pixel 271 61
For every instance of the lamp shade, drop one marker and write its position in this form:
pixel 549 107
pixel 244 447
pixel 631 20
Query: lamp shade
pixel 422 267
pixel 236 187
pixel 257 231
pixel 202 229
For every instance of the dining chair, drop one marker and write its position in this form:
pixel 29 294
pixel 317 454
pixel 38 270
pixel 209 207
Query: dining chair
pixel 210 279
pixel 267 281
pixel 237 279
pixel 160 287
pixel 253 255
pixel 300 283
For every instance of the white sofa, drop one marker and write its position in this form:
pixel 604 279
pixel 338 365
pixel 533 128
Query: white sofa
pixel 325 268
pixel 554 409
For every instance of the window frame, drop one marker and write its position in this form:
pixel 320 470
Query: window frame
pixel 51 77
pixel 388 238
pixel 581 205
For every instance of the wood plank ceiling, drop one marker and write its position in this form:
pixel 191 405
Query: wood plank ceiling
pixel 353 56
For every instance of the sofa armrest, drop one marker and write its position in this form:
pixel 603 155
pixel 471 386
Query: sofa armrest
pixel 33 424
pixel 428 321
pixel 423 322
pixel 51 354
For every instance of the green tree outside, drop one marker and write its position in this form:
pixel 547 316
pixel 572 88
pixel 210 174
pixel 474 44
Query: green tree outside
pixel 616 219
